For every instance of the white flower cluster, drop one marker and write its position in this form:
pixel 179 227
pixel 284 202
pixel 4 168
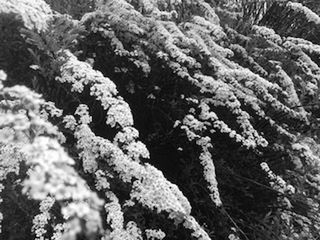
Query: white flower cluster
pixel 88 154
pixel 305 45
pixel 308 71
pixel 80 74
pixel 207 114
pixel 207 39
pixel 118 111
pixel 119 114
pixel 306 159
pixel 209 171
pixel 193 129
pixel 150 188
pixel 276 181
pixel 197 231
pixel 160 9
pixel 104 90
pixel 155 192
pixel 286 83
pixel 3 77
pixel 1 215
pixel 267 33
pixel 10 159
pixel 58 231
pixel 52 175
pixel 41 220
pixel 310 15
pixel 50 168
pixel 119 231
pixel 153 234
pixel 115 215
pixel 223 96
pixel 50 110
pixel 267 92
pixel 166 42
pixel 241 56
pixel 35 14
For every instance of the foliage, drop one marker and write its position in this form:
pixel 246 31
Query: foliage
pixel 76 8
pixel 159 120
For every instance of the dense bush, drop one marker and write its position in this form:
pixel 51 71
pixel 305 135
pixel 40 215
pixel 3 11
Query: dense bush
pixel 159 119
